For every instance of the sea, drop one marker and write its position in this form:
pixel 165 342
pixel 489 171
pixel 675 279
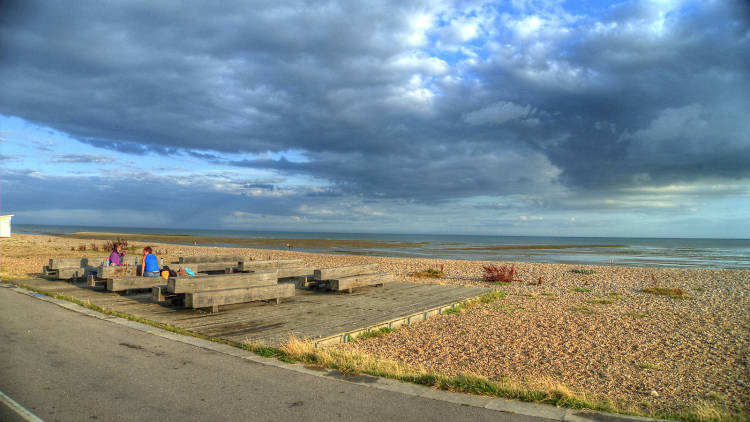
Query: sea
pixel 624 251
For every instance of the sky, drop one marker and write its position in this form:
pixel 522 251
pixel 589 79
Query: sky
pixel 518 117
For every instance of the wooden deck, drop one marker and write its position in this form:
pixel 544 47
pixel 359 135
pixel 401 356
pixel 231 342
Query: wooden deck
pixel 324 317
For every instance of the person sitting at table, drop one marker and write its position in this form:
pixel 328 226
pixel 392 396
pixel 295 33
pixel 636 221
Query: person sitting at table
pixel 150 265
pixel 117 255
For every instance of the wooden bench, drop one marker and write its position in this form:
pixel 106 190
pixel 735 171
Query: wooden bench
pixel 214 298
pixel 58 263
pixel 111 271
pixel 219 282
pixel 269 265
pixel 211 291
pixel 352 276
pixel 161 294
pixel 69 268
pixel 209 258
pixel 104 273
pixel 127 283
pixel 212 263
pixel 290 270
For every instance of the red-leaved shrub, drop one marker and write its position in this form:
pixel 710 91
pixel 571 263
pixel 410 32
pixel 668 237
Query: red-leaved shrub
pixel 502 274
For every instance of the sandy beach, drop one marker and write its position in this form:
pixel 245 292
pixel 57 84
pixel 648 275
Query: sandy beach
pixel 601 335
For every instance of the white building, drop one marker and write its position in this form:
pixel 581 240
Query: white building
pixel 5 225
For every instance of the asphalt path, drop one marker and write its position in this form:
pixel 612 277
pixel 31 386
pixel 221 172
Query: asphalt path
pixel 66 366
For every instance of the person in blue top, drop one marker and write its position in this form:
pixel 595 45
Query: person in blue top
pixel 150 265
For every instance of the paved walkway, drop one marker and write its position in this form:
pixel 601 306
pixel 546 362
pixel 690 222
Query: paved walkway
pixel 66 366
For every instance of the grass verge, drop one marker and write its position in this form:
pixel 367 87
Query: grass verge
pixel 349 362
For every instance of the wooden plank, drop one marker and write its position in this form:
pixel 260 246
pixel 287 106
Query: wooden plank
pixel 58 263
pixel 92 282
pixel 111 272
pixel 265 265
pixel 221 281
pixel 295 272
pixel 157 292
pixel 161 294
pixel 210 258
pixel 119 284
pixel 213 298
pixel 69 273
pixel 210 266
pixel 348 283
pixel 338 272
pixel 300 282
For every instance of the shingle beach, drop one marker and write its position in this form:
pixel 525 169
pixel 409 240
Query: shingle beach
pixel 598 334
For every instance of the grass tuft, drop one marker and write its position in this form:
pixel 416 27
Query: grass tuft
pixel 429 273
pixel 380 332
pixel 672 292
pixel 581 290
pixel 455 310
pixel 637 315
pixel 508 309
pixel 711 412
pixel 492 296
pixel 582 271
pixel 582 309
pixel 601 301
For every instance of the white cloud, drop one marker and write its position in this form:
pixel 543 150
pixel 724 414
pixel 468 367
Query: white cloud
pixel 366 210
pixel 317 211
pixel 531 218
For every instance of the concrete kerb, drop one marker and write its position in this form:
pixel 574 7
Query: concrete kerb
pixel 492 403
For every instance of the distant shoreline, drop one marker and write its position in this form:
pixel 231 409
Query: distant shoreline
pixel 629 252
pixel 296 241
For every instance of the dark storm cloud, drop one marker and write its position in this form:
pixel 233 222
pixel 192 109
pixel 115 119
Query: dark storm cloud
pixel 144 199
pixel 193 201
pixel 638 97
